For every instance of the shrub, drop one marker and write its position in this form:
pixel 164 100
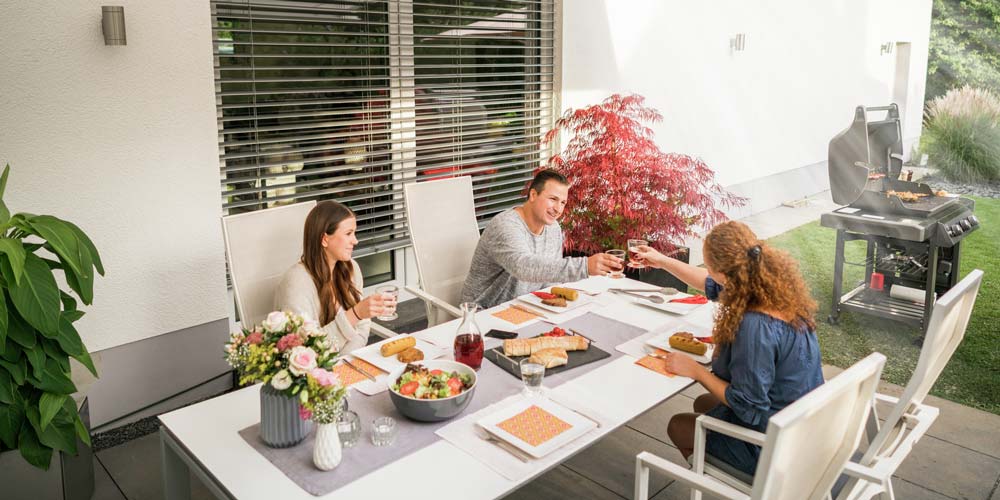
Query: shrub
pixel 962 135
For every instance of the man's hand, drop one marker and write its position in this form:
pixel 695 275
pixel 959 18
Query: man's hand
pixel 601 264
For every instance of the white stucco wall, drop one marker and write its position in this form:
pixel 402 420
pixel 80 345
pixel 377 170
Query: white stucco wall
pixel 769 109
pixel 122 141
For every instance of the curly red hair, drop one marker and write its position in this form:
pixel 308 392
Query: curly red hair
pixel 758 278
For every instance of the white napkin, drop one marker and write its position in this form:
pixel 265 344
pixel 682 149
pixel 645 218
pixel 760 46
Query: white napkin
pixel 462 434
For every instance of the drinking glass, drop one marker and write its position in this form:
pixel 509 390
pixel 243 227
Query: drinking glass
pixel 620 272
pixel 633 261
pixel 388 292
pixel 532 374
pixel 348 428
pixel 383 431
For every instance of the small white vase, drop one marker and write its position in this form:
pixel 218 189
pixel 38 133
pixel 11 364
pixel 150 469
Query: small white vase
pixel 327 451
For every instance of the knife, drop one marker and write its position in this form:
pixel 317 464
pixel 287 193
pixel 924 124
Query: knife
pixel 529 310
pixel 359 370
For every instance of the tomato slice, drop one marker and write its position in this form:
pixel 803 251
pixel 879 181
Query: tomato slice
pixel 544 295
pixel 409 388
pixel 455 384
pixel 436 372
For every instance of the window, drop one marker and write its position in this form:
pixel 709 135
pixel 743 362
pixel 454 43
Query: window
pixel 348 100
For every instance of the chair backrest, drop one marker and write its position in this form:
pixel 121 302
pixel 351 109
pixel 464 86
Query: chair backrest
pixel 945 331
pixel 442 218
pixel 809 442
pixel 260 247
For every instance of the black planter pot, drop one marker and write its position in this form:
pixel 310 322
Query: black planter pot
pixel 652 276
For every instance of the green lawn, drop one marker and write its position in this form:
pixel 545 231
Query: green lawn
pixel 972 377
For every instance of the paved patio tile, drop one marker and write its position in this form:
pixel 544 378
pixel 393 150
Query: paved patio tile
pixel 135 468
pixel 611 462
pixel 950 470
pixel 654 421
pixel 105 487
pixel 678 491
pixel 903 489
pixel 562 483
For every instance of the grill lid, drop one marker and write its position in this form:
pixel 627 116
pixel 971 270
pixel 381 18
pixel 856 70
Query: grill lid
pixel 864 148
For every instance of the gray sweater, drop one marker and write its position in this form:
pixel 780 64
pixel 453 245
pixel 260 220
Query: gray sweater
pixel 511 261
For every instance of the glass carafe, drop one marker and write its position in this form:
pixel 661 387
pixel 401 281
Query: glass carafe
pixel 469 338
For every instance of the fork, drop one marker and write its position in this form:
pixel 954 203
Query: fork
pixel 585 292
pixel 503 445
pixel 651 352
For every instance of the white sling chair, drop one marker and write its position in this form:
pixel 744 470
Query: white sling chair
pixel 260 247
pixel 804 450
pixel 442 218
pixel 909 419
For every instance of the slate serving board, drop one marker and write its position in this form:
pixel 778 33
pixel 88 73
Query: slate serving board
pixel 576 358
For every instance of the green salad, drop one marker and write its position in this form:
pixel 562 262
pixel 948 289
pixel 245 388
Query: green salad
pixel 420 383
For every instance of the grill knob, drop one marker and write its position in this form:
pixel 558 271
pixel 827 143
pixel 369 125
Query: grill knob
pixel 974 220
pixel 957 230
pixel 966 225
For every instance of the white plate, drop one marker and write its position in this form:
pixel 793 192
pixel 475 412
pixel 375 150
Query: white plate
pixel 661 340
pixel 373 355
pixel 666 306
pixel 581 300
pixel 580 425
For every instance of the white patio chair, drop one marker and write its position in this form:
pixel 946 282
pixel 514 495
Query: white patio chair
pixel 442 218
pixel 260 247
pixel 803 451
pixel 909 419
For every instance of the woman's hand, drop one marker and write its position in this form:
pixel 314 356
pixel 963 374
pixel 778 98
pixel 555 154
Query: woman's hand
pixel 684 366
pixel 649 256
pixel 374 305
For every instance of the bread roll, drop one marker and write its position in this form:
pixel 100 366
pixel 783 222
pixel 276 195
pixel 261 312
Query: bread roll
pixel 566 293
pixel 687 343
pixel 397 345
pixel 556 302
pixel 409 355
pixel 550 358
pixel 524 347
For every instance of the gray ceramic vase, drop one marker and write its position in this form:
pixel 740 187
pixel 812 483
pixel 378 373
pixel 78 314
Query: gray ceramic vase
pixel 280 425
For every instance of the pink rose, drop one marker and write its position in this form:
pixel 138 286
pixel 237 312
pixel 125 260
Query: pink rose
pixel 301 360
pixel 276 321
pixel 255 338
pixel 324 378
pixel 304 413
pixel 289 341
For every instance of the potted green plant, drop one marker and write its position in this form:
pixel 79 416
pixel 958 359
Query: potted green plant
pixel 624 187
pixel 37 337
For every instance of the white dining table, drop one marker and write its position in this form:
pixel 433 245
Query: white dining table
pixel 203 438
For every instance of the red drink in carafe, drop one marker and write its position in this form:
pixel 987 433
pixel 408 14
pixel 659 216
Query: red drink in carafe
pixel 469 350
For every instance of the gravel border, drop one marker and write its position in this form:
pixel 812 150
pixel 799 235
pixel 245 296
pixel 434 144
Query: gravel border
pixel 986 189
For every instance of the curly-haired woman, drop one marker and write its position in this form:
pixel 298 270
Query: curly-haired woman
pixel 767 354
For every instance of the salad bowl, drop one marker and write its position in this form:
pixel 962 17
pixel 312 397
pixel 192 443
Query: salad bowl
pixel 432 410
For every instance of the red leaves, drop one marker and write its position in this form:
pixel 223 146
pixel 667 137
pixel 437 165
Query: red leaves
pixel 624 187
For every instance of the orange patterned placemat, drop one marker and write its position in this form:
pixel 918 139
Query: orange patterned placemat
pixel 534 425
pixel 349 376
pixel 515 316
pixel 658 365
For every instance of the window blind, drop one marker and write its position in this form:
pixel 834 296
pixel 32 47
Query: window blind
pixel 349 100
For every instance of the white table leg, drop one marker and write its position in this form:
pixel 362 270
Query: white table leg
pixel 176 476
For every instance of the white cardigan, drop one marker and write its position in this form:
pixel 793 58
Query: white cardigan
pixel 297 292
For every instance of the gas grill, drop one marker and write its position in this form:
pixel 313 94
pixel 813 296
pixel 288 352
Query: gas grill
pixel 913 240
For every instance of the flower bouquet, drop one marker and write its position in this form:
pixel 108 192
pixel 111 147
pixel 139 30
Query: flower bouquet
pixel 292 357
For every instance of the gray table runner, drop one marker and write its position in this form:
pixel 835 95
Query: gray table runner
pixel 494 384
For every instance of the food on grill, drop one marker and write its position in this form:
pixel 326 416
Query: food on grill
pixel 906 196
pixel 410 355
pixel 550 357
pixel 397 345
pixel 524 347
pixel 941 192
pixel 566 293
pixel 685 341
pixel 556 302
pixel 875 176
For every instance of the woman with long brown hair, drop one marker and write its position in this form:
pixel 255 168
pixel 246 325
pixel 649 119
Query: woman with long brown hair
pixel 767 354
pixel 325 285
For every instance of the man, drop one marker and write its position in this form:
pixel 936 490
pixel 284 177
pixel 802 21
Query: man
pixel 521 249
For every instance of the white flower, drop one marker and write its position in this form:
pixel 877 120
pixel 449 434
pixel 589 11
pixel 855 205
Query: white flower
pixel 276 321
pixel 310 324
pixel 301 360
pixel 281 380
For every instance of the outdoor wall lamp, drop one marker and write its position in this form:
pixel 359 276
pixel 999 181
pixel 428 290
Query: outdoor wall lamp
pixel 886 48
pixel 738 43
pixel 113 24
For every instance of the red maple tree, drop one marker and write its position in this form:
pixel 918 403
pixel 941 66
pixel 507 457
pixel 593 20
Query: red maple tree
pixel 624 187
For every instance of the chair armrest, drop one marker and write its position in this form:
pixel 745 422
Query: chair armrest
pixel 434 301
pixel 887 399
pixel 878 474
pixel 733 430
pixel 382 331
pixel 685 476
